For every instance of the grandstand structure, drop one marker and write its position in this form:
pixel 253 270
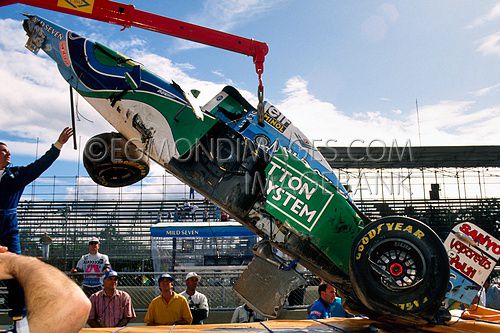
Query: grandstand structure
pixel 440 186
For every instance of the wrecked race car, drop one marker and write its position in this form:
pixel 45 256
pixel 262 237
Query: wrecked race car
pixel 268 177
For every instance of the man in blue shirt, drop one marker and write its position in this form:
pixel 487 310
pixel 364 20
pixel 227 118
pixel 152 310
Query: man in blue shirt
pixel 13 180
pixel 327 305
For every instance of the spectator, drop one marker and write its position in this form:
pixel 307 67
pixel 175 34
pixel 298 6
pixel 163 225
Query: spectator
pixel 92 265
pixel 198 303
pixel 169 308
pixel 193 210
pixel 327 305
pixel 185 210
pixel 217 213
pixel 191 193
pixel 205 214
pixel 493 295
pixel 244 314
pixel 176 213
pixel 54 302
pixel 13 180
pixel 480 298
pixel 110 307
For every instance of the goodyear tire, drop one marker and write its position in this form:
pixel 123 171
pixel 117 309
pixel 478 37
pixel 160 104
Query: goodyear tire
pixel 399 266
pixel 111 161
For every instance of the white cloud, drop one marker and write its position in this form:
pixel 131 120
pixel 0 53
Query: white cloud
pixel 152 188
pixel 490 45
pixel 389 11
pixel 225 15
pixel 185 66
pixel 218 73
pixel 443 123
pixel 492 15
pixel 12 35
pixel 376 26
pixel 126 45
pixel 322 121
pixel 485 91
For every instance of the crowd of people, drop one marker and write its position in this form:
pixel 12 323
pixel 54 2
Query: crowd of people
pixel 190 212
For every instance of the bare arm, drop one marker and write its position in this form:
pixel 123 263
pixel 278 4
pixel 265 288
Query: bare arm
pixel 54 302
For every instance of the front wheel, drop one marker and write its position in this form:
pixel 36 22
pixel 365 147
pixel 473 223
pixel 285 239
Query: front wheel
pixel 399 266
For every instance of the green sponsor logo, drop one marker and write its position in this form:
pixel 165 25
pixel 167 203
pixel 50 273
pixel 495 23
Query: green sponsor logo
pixel 295 193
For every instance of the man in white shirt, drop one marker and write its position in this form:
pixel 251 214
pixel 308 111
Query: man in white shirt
pixel 244 314
pixel 198 303
pixel 93 265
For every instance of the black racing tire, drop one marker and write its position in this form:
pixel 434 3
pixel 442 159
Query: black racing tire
pixel 399 266
pixel 111 161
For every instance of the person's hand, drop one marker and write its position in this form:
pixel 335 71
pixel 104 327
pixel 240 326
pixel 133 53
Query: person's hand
pixel 65 135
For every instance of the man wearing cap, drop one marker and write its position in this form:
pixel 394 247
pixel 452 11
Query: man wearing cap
pixel 110 307
pixel 169 308
pixel 92 264
pixel 198 303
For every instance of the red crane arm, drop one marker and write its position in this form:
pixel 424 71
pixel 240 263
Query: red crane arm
pixel 128 16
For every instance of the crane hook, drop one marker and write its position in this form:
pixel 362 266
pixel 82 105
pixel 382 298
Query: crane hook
pixel 260 106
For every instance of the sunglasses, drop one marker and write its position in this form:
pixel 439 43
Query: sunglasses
pixel 93 243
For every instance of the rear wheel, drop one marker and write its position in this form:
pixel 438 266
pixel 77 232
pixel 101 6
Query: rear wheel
pixel 400 266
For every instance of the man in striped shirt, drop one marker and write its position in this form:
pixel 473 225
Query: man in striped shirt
pixel 110 307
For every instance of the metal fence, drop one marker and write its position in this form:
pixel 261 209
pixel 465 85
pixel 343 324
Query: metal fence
pixel 217 286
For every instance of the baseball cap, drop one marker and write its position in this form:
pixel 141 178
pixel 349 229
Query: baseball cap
pixel 192 274
pixel 94 240
pixel 110 273
pixel 165 276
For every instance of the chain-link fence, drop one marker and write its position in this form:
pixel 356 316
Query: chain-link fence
pixel 217 286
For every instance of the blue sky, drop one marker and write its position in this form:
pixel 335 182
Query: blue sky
pixel 341 70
